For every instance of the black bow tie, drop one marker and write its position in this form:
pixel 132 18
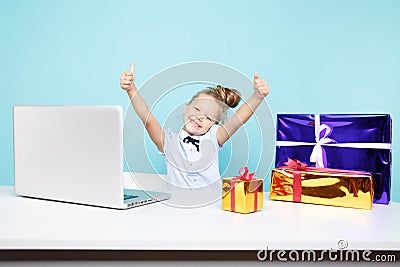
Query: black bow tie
pixel 190 140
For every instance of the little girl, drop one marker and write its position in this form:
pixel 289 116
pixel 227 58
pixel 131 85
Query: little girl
pixel 191 155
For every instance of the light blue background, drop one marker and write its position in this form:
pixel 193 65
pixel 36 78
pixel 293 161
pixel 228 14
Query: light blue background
pixel 318 56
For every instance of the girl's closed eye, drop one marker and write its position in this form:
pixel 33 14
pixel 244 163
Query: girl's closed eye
pixel 211 119
pixel 207 116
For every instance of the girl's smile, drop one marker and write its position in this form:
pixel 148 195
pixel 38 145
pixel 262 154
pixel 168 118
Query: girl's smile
pixel 194 123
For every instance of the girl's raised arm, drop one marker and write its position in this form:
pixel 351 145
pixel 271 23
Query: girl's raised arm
pixel 245 111
pixel 127 82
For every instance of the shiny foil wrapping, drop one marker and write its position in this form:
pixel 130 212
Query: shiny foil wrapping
pixel 242 196
pixel 334 188
pixel 355 143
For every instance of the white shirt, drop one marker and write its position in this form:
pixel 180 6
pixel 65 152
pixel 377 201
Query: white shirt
pixel 187 167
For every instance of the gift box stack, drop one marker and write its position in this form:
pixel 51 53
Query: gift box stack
pixel 339 160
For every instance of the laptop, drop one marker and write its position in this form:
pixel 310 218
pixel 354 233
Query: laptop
pixel 74 154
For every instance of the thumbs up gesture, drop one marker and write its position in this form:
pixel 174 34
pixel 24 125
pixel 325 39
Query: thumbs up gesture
pixel 260 86
pixel 127 80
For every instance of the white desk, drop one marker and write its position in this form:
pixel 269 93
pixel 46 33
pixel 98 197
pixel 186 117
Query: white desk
pixel 39 224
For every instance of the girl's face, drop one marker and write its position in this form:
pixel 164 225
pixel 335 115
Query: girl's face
pixel 202 113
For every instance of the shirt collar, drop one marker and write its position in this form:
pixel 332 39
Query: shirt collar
pixel 183 134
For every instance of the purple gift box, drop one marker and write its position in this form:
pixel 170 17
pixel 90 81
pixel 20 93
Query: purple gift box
pixel 350 142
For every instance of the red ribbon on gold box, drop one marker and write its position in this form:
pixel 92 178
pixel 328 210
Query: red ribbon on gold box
pixel 297 182
pixel 243 193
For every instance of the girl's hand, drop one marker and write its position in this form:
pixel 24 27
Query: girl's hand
pixel 260 86
pixel 127 80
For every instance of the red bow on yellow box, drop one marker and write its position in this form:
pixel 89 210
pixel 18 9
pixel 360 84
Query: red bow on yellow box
pixel 244 175
pixel 242 193
pixel 299 166
pixel 298 182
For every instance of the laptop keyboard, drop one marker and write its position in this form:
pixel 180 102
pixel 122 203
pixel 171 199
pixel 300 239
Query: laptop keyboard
pixel 129 196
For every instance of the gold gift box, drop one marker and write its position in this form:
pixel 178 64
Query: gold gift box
pixel 335 188
pixel 242 196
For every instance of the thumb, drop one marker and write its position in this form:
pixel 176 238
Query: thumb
pixel 133 68
pixel 255 76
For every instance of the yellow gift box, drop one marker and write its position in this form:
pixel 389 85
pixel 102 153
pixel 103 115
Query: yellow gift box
pixel 242 194
pixel 299 183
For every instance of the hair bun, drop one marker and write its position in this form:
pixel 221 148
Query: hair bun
pixel 231 97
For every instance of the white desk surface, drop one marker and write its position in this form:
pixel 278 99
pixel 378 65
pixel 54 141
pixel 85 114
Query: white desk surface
pixel 27 223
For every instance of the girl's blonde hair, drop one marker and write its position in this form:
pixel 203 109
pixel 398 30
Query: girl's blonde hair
pixel 226 98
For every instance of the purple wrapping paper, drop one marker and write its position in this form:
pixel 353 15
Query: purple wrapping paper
pixel 345 130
